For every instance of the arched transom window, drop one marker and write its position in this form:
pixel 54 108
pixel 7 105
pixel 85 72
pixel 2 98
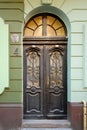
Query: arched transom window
pixel 45 25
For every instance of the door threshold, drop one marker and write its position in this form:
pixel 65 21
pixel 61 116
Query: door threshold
pixel 46 124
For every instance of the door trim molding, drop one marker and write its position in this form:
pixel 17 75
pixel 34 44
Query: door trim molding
pixel 46 40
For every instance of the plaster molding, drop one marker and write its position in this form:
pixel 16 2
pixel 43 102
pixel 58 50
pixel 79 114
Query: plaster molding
pixel 46 1
pixel 85 55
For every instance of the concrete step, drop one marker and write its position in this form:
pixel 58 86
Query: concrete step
pixel 46 129
pixel 46 125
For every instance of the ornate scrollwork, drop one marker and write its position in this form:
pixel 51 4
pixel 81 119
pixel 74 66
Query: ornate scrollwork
pixel 33 89
pixel 56 68
pixel 58 89
pixel 32 69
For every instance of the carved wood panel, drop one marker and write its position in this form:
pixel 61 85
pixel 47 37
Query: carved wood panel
pixel 44 87
pixel 56 87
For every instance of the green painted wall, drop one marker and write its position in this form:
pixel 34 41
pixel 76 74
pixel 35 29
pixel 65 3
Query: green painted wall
pixel 13 15
pixel 74 14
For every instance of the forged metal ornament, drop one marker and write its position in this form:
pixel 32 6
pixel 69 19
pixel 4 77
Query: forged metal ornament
pixel 32 69
pixel 55 69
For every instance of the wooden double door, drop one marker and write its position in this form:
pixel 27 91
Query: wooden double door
pixel 45 81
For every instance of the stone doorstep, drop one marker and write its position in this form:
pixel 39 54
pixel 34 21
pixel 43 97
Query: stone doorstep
pixel 46 129
pixel 46 124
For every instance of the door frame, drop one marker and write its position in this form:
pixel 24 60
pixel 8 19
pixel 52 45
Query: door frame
pixel 47 40
pixel 62 15
pixel 42 41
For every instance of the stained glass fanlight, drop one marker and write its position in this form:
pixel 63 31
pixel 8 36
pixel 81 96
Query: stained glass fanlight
pixel 45 25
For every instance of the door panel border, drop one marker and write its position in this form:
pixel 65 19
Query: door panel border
pixel 44 41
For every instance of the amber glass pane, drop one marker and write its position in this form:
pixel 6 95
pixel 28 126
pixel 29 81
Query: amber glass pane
pixel 32 25
pixel 50 31
pixel 28 32
pixel 60 32
pixel 38 31
pixel 38 20
pixel 50 20
pixel 57 24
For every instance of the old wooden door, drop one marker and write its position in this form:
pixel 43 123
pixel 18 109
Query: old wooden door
pixel 45 68
pixel 45 80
